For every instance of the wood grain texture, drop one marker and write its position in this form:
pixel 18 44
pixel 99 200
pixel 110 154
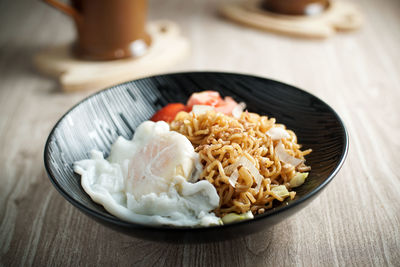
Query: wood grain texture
pixel 356 219
pixel 340 16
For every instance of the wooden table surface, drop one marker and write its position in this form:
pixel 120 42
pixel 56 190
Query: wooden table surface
pixel 355 221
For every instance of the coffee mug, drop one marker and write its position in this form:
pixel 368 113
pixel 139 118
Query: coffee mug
pixel 108 29
pixel 295 7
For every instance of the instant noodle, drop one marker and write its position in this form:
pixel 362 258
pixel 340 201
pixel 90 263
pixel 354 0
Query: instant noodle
pixel 250 160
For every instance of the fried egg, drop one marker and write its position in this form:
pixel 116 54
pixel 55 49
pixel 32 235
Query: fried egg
pixel 151 179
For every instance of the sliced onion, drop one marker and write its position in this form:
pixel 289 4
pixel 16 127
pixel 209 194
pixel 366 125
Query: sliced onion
pixel 244 162
pixel 231 168
pixel 238 110
pixel 278 133
pixel 233 178
pixel 201 109
pixel 254 172
pixel 286 157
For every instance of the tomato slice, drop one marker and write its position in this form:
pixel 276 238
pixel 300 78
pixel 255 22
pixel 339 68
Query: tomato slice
pixel 209 98
pixel 168 112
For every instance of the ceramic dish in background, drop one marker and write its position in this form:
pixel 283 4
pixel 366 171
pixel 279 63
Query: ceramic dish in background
pixel 97 121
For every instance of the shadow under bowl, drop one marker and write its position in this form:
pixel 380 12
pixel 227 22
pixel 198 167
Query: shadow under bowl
pixel 98 120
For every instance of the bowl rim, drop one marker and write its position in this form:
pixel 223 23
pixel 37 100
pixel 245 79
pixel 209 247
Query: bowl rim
pixel 128 225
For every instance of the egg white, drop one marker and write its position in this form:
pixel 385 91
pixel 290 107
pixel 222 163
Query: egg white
pixel 151 179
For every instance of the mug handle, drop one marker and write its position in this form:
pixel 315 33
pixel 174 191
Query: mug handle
pixel 67 9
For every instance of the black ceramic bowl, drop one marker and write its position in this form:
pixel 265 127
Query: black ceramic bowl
pixel 98 120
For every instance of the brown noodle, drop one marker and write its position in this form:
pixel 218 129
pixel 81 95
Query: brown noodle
pixel 221 140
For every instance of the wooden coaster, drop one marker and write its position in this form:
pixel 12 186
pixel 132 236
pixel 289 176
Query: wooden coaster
pixel 168 46
pixel 339 16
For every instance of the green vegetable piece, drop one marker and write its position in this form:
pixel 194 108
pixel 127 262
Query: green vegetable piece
pixel 281 191
pixel 298 179
pixel 234 217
